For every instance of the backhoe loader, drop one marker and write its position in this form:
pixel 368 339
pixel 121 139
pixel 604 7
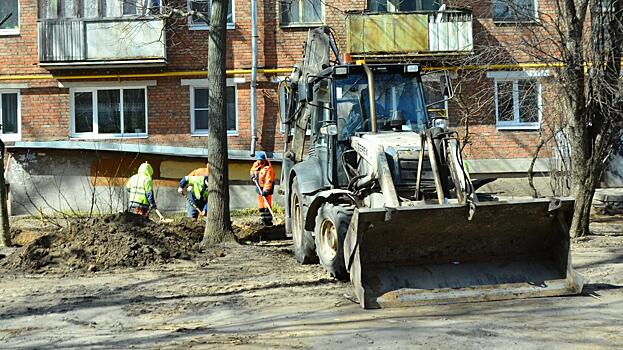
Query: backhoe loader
pixel 376 191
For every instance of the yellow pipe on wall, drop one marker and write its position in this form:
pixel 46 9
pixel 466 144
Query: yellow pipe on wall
pixel 139 75
pixel 264 71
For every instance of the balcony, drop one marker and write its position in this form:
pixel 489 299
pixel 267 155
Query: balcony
pixel 409 34
pixel 99 42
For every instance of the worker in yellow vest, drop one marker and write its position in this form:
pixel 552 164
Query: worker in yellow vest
pixel 197 195
pixel 141 191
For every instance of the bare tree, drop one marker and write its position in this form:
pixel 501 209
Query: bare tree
pixel 581 43
pixel 218 226
pixel 590 37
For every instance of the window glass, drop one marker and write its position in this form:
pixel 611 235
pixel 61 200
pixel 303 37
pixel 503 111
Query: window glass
pixel 109 111
pixel 129 7
pixel 48 8
pixel 513 10
pixel 403 5
pixel 112 8
pixel 9 113
pixel 528 101
pixel 89 8
pixel 231 108
pixel 201 98
pixel 9 7
pixel 518 103
pixel 312 13
pixel 377 5
pixel 134 111
pixel 398 97
pixel 505 101
pixel 200 111
pixel 203 6
pixel 301 11
pixel 433 94
pixel 83 110
pixel 68 9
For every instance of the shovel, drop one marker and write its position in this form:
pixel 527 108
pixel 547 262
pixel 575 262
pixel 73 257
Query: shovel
pixel 162 219
pixel 193 204
pixel 264 198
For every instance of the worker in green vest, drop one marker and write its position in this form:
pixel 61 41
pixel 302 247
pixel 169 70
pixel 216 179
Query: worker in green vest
pixel 141 188
pixel 197 197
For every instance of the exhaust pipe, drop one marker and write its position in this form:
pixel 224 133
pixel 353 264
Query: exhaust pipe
pixel 371 97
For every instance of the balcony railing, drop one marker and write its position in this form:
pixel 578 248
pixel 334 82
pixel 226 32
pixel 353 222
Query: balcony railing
pixel 410 33
pixel 101 41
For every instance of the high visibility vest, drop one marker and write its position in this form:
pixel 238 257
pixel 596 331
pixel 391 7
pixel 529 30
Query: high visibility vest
pixel 265 175
pixel 139 185
pixel 200 190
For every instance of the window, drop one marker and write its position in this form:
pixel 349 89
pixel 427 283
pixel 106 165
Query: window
pixel 10 115
pixel 301 12
pixel 407 5
pixel 109 112
pixel 199 110
pixel 96 8
pixel 203 6
pixel 518 103
pixel 514 10
pixel 9 17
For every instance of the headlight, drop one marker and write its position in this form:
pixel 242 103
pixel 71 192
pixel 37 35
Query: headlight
pixel 341 70
pixel 412 68
pixel 440 123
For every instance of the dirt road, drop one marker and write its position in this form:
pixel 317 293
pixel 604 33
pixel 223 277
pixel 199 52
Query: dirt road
pixel 256 296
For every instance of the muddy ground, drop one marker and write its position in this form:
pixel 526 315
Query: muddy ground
pixel 254 296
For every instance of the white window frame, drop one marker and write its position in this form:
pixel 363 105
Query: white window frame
pixel 95 133
pixel 203 84
pixel 515 77
pixel 13 136
pixel 203 26
pixel 302 24
pixel 12 31
pixel 533 19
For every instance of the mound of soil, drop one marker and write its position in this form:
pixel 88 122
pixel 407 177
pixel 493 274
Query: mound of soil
pixel 250 229
pixel 117 240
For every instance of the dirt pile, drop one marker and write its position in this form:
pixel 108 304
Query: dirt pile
pixel 118 240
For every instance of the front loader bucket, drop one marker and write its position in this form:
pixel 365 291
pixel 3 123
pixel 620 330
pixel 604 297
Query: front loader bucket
pixel 432 254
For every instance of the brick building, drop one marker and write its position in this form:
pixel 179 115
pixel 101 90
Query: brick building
pixel 91 88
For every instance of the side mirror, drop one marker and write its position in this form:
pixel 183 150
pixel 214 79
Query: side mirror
pixel 445 82
pixel 283 103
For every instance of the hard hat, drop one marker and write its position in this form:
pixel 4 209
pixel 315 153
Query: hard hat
pixel 260 156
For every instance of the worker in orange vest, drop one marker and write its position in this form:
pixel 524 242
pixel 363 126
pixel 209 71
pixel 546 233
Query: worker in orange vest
pixel 201 171
pixel 263 175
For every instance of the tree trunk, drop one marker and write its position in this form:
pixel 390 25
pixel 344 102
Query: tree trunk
pixel 218 226
pixel 583 195
pixel 5 235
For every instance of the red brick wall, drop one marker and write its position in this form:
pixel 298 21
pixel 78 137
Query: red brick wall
pixel 45 107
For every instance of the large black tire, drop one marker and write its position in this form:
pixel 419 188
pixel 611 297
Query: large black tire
pixel 330 231
pixel 304 247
